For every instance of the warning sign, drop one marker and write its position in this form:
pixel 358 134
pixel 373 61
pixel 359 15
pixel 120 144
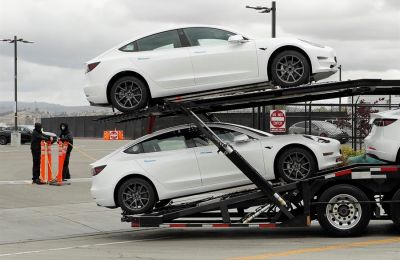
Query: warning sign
pixel 113 135
pixel 277 121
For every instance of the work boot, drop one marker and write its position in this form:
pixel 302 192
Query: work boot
pixel 38 182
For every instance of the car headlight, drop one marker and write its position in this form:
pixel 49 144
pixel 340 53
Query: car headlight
pixel 317 139
pixel 313 44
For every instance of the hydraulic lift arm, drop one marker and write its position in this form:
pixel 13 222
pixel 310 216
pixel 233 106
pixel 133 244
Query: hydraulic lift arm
pixel 240 162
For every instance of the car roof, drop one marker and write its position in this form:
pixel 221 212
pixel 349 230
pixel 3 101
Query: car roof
pixel 163 29
pixel 168 28
pixel 211 124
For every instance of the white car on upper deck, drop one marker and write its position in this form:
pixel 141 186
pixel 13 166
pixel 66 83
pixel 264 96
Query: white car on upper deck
pixel 190 59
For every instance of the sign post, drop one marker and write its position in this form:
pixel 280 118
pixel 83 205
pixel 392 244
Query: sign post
pixel 277 121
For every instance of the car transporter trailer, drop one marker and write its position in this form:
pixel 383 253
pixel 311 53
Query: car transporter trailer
pixel 343 199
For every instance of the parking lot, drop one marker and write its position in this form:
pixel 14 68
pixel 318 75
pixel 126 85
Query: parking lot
pixel 48 222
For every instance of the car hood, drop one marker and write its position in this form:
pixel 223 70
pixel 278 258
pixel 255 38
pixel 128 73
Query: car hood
pixel 299 138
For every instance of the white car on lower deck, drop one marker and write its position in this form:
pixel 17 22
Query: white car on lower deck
pixel 180 161
pixel 190 59
pixel 383 142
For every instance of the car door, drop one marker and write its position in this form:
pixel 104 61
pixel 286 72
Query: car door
pixel 163 59
pixel 215 60
pixel 168 158
pixel 25 134
pixel 216 168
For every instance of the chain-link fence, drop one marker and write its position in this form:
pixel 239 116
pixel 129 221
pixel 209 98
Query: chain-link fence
pixel 348 123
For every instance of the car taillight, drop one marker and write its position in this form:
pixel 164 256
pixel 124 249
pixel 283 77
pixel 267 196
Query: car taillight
pixel 383 121
pixel 91 66
pixel 98 169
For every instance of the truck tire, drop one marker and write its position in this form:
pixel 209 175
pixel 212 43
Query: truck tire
pixel 395 210
pixel 136 196
pixel 343 216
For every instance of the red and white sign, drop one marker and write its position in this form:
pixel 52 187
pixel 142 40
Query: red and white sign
pixel 277 121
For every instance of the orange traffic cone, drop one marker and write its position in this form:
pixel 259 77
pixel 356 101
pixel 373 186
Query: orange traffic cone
pixel 49 162
pixel 43 151
pixel 62 151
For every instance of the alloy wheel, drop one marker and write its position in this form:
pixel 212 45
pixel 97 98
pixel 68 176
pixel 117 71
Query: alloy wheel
pixel 290 69
pixel 135 196
pixel 296 166
pixel 128 94
pixel 343 211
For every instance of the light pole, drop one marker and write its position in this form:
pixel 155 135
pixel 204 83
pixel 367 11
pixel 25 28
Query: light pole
pixel 14 41
pixel 265 10
pixel 340 79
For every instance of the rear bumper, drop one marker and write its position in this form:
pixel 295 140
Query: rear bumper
pixel 96 95
pixel 103 196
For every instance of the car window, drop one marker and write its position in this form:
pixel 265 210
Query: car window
pixel 226 135
pixel 162 143
pixel 163 40
pixel 199 36
pixel 129 47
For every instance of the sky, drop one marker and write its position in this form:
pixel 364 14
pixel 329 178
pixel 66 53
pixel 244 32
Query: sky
pixel 67 33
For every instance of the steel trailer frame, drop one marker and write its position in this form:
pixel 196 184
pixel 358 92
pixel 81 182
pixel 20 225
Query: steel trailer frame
pixel 279 204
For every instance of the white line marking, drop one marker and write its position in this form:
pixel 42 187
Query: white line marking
pixel 20 182
pixel 82 246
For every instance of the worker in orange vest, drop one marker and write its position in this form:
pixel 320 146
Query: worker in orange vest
pixel 37 138
pixel 66 136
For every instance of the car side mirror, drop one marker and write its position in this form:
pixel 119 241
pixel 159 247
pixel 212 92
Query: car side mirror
pixel 236 39
pixel 240 139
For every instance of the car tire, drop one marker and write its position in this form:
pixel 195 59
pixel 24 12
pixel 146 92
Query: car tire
pixel 136 196
pixel 296 164
pixel 395 210
pixel 343 215
pixel 3 140
pixel 290 68
pixel 129 94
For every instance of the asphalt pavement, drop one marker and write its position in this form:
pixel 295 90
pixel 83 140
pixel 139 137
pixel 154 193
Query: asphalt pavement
pixel 50 222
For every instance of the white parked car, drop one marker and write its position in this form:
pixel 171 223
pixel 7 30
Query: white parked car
pixel 383 142
pixel 180 161
pixel 198 58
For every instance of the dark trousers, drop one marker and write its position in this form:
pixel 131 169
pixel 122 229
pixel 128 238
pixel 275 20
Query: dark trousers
pixel 36 165
pixel 66 174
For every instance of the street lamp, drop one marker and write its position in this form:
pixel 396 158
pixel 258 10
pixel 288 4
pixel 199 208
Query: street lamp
pixel 265 10
pixel 340 79
pixel 14 41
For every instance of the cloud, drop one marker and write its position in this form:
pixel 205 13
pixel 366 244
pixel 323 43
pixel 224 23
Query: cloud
pixel 42 83
pixel 365 33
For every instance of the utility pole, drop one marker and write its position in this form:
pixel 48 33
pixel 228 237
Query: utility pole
pixel 16 137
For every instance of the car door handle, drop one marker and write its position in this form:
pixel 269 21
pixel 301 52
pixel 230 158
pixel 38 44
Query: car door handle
pixel 143 58
pixel 199 52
